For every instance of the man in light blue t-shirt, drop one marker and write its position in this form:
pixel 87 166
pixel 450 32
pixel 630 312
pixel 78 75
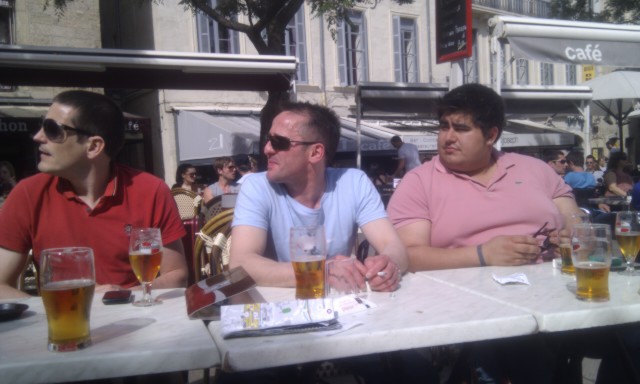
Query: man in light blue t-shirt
pixel 408 156
pixel 299 189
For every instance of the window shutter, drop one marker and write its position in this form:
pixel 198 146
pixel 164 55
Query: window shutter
pixel 301 51
pixel 363 74
pixel 342 54
pixel 202 24
pixel 397 50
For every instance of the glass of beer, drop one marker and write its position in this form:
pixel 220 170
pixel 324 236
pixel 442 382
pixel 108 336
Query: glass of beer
pixel 628 236
pixel 566 244
pixel 592 259
pixel 145 256
pixel 308 252
pixel 67 283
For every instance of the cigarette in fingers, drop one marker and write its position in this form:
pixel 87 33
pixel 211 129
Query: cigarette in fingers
pixel 382 273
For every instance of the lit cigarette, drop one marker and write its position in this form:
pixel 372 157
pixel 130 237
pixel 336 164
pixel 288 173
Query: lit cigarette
pixel 382 273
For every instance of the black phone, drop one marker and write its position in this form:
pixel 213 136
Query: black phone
pixel 122 296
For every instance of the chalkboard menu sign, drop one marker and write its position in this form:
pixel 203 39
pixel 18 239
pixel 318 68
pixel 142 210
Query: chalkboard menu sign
pixel 453 30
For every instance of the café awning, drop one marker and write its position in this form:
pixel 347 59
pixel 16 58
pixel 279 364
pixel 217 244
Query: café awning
pixel 139 69
pixel 569 42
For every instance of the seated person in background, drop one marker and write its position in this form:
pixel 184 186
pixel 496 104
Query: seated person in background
pixel 226 170
pixel 556 160
pixel 592 167
pixel 576 176
pixel 7 178
pixel 186 178
pixel 472 205
pixel 246 165
pixel 83 198
pixel 299 189
pixel 617 178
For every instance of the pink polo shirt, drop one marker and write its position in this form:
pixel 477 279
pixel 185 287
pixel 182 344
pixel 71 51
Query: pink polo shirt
pixel 43 211
pixel 463 212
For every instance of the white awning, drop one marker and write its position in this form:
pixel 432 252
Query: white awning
pixel 569 42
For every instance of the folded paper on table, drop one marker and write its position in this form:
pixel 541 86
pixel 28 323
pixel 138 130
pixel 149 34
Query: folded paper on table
pixel 284 317
pixel 206 297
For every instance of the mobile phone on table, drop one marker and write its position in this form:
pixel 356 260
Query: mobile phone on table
pixel 122 296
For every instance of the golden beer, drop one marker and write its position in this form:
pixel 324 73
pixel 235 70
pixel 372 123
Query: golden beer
pixel 146 265
pixel 592 281
pixel 567 264
pixel 629 243
pixel 68 308
pixel 309 278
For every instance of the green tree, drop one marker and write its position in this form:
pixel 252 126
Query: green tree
pixel 615 11
pixel 266 22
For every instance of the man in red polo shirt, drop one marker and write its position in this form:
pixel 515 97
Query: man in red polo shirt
pixel 83 198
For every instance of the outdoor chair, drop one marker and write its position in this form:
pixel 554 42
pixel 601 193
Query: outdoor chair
pixel 210 255
pixel 188 203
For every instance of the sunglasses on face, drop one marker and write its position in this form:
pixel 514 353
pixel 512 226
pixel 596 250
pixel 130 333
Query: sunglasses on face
pixel 560 161
pixel 192 174
pixel 281 143
pixel 57 133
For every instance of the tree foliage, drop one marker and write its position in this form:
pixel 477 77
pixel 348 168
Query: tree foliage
pixel 615 11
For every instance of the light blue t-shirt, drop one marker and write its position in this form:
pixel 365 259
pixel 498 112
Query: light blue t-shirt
pixel 580 180
pixel 349 201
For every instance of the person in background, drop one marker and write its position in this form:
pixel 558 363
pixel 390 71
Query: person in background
pixel 226 169
pixel 577 177
pixel 556 161
pixel 186 175
pixel 602 163
pixel 82 197
pixel 7 178
pixel 593 168
pixel 472 206
pixel 408 156
pixel 617 178
pixel 246 166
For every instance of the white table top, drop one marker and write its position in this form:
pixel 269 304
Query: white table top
pixel 551 296
pixel 422 313
pixel 127 341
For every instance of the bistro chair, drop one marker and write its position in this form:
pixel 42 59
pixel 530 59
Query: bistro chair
pixel 211 208
pixel 188 203
pixel 212 245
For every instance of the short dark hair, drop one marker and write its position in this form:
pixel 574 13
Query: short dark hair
pixel 575 158
pixel 97 114
pixel 220 162
pixel 591 157
pixel 396 139
pixel 323 123
pixel 551 155
pixel 483 104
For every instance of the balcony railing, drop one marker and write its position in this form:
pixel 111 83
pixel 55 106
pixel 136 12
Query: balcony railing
pixel 533 8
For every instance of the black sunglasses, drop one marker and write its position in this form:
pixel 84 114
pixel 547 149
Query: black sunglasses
pixel 57 133
pixel 560 161
pixel 281 143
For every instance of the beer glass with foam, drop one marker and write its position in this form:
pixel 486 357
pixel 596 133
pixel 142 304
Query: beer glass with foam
pixel 67 283
pixel 308 252
pixel 592 259
pixel 145 256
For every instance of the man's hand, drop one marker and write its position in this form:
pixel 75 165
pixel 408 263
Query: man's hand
pixel 511 250
pixel 382 273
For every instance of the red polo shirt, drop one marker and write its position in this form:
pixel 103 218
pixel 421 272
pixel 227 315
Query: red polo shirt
pixel 43 211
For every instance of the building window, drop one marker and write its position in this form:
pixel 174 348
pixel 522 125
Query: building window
pixel 471 63
pixel 214 38
pixel 546 74
pixel 572 77
pixel 405 50
pixel 352 49
pixel 295 44
pixel 6 22
pixel 522 71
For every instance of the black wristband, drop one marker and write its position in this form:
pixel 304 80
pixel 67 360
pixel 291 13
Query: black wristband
pixel 481 256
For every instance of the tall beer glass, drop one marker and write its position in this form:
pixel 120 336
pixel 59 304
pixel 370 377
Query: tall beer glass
pixel 67 283
pixel 145 255
pixel 628 236
pixel 308 252
pixel 592 259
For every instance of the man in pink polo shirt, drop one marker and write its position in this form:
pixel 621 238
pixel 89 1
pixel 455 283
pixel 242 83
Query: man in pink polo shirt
pixel 473 205
pixel 82 197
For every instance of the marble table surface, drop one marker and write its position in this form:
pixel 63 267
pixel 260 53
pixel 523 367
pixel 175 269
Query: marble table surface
pixel 550 297
pixel 423 312
pixel 127 341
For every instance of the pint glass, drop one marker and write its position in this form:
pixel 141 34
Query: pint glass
pixel 67 282
pixel 308 252
pixel 592 260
